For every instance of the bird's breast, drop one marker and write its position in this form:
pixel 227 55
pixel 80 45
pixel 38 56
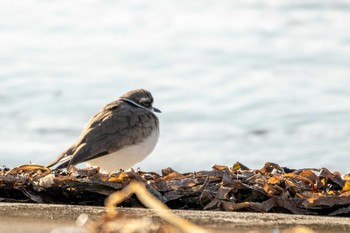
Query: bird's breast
pixel 126 157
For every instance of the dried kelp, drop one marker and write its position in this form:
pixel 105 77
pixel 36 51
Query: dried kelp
pixel 237 188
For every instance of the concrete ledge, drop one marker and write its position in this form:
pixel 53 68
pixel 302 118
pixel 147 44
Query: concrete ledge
pixel 17 217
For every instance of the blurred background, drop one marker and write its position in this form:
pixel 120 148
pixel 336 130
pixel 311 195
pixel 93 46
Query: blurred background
pixel 245 80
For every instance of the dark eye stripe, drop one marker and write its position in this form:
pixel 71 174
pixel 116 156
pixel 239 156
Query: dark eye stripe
pixel 135 104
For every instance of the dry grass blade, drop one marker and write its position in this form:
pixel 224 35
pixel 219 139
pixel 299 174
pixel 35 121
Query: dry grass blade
pixel 151 202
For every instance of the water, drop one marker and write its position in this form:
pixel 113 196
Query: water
pixel 249 81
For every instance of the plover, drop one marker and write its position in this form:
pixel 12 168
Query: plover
pixel 121 134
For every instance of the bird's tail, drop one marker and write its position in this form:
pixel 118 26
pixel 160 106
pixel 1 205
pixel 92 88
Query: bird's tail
pixel 63 162
pixel 63 159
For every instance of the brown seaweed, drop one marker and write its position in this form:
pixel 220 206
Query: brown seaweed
pixel 270 189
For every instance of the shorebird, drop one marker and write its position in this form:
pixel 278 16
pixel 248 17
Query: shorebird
pixel 121 134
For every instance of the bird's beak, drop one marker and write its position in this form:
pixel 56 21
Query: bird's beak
pixel 156 110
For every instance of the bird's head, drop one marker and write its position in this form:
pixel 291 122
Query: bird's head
pixel 140 98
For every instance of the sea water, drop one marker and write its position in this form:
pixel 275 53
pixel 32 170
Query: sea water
pixel 245 80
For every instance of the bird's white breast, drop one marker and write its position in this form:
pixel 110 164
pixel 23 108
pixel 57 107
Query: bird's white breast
pixel 126 157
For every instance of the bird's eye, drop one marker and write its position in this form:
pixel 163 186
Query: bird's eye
pixel 146 102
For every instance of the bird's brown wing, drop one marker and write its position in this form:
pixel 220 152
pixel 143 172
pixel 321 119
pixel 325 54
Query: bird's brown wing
pixel 112 129
pixel 65 157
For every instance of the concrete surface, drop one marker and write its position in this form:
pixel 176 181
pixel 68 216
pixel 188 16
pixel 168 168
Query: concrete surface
pixel 42 218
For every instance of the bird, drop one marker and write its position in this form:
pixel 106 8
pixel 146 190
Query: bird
pixel 121 134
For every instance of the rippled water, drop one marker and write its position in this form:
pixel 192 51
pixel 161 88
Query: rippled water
pixel 248 81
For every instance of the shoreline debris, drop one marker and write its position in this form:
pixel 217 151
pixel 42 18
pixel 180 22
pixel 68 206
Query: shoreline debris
pixel 270 189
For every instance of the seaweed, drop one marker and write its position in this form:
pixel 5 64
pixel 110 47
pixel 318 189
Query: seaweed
pixel 270 189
